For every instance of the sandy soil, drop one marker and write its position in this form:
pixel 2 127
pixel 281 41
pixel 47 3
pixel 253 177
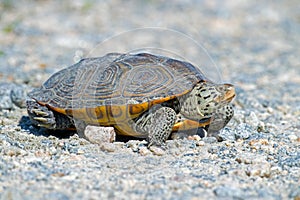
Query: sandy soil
pixel 255 46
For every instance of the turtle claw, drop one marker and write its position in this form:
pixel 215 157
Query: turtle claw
pixel 40 112
pixel 47 126
pixel 40 119
pixel 45 122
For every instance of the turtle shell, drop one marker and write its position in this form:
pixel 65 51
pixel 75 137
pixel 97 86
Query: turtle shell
pixel 116 87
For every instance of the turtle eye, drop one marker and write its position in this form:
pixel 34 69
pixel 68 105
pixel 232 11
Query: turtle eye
pixel 221 88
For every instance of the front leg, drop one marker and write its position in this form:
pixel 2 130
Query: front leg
pixel 157 123
pixel 219 119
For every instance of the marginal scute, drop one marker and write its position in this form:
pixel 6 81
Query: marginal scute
pixel 96 114
pixel 135 109
pixel 114 112
pixel 55 79
pixel 42 95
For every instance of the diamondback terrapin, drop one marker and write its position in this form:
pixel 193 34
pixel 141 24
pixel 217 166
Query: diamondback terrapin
pixel 140 95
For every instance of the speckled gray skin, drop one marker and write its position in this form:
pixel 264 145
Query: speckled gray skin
pixel 257 49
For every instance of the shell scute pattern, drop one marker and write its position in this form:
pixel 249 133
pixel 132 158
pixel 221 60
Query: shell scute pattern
pixel 55 79
pixel 103 84
pixel 117 86
pixel 141 59
pixel 147 81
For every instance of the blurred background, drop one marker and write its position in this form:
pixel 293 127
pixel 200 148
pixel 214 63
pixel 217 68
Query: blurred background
pixel 244 38
pixel 254 45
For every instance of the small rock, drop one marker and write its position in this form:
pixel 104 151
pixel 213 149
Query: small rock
pixel 119 144
pixel 144 151
pixel 229 192
pixel 200 143
pixel 133 144
pixel 100 135
pixel 194 137
pixel 226 134
pixel 261 127
pixel 157 150
pixel 262 170
pixel 252 119
pixel 52 150
pixel 270 110
pixel 244 131
pixel 210 140
pixel 109 147
pixel 258 142
pixel 14 151
pixel 293 137
pixel 80 151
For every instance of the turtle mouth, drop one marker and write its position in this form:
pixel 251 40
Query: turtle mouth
pixel 229 92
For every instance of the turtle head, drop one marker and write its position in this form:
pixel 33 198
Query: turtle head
pixel 206 99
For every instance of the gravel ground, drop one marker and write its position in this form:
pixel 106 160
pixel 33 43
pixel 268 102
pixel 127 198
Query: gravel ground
pixel 255 46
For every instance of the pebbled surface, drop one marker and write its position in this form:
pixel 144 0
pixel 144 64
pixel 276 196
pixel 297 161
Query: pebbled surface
pixel 256 47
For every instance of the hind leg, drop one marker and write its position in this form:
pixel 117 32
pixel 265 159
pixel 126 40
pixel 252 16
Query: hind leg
pixel 44 117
